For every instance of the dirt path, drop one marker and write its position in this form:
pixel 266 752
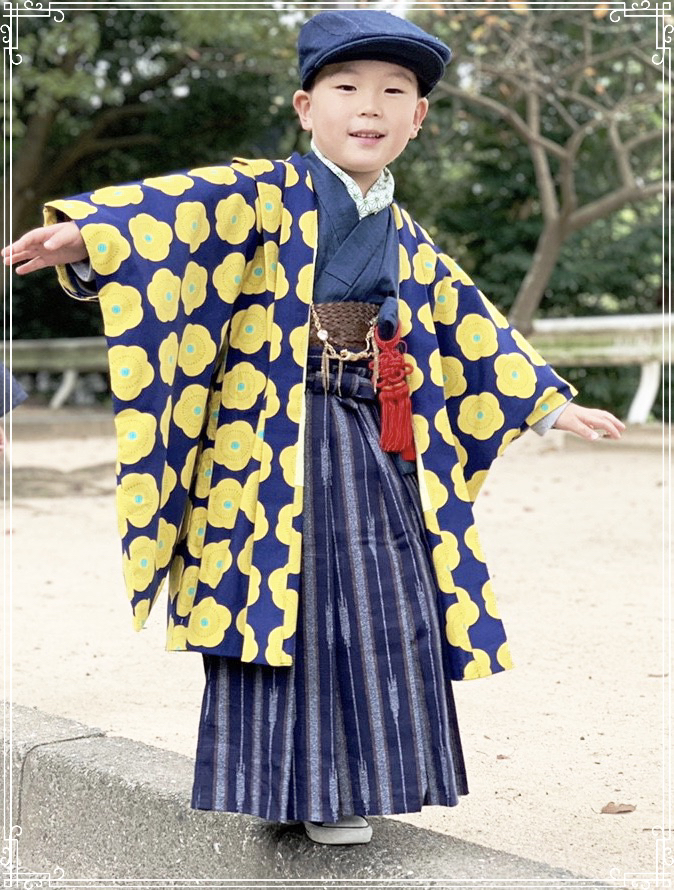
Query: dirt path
pixel 573 537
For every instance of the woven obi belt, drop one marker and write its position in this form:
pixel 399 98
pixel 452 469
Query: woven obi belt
pixel 346 334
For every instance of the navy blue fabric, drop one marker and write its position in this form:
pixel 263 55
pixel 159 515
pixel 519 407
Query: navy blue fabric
pixel 355 259
pixel 347 35
pixel 12 392
pixel 364 721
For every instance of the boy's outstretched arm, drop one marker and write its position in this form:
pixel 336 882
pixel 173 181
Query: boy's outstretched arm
pixel 585 422
pixel 56 245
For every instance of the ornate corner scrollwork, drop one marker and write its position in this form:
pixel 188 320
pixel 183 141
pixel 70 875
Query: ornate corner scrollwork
pixel 654 9
pixel 13 10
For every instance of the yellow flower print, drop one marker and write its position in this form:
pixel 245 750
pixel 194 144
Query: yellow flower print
pixel 121 308
pixel 208 623
pixel 245 557
pixel 248 331
pixel 490 600
pixel 445 560
pixel 287 601
pixel 546 403
pixel 514 375
pixel 476 336
pixel 527 348
pixel 480 666
pixel 204 473
pixel 166 538
pixel 282 286
pixel 176 637
pixel 190 410
pixel 269 197
pixel 431 521
pixel 151 237
pixel 228 277
pixel 168 358
pixel 423 264
pixel 139 498
pixel 234 218
pixel 254 275
pixel 435 364
pixel 263 453
pixel 405 270
pixel 193 287
pixel 140 614
pixel 503 656
pixel 215 560
pixel 252 168
pixel 234 444
pixel 305 283
pixel 136 434
pixel 459 483
pixel 421 437
pixel 288 461
pixel 197 350
pixel 175 184
pixel 130 371
pixel 307 223
pixel 404 317
pixel 275 337
pixel 480 416
pixel 139 565
pixel 475 483
pixel 288 535
pixel 291 177
pixel 223 503
pixel 272 403
pixel 425 316
pixel 165 420
pixel 118 195
pixel 446 302
pixel 459 617
pixel 75 209
pixel 441 423
pixel 168 483
pixel 473 543
pixel 196 522
pixel 416 377
pixel 242 385
pixel 216 175
pixel 187 591
pixel 174 576
pixel 509 437
pixel 188 469
pixel 163 292
pixel 453 381
pixel 295 402
pixel 106 246
pixel 436 490
pixel 497 317
pixel 192 226
pixel 250 647
pixel 249 498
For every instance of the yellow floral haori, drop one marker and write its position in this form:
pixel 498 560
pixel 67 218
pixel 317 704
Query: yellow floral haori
pixel 205 280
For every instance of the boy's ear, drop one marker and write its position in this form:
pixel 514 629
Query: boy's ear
pixel 420 113
pixel 302 105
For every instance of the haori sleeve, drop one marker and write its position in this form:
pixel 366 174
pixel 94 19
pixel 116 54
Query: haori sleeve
pixel 169 255
pixel 496 384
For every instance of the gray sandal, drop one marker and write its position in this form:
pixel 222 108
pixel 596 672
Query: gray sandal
pixel 347 830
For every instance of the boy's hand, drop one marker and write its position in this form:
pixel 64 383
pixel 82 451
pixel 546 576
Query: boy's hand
pixel 48 246
pixel 585 422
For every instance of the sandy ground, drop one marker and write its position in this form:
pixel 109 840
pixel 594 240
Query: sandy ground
pixel 574 537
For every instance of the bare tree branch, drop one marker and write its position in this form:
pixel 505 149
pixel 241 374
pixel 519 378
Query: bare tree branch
pixel 549 204
pixel 608 204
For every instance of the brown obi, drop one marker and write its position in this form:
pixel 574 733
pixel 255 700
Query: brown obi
pixel 347 324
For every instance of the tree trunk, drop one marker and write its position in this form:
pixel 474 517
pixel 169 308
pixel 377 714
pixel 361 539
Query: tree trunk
pixel 535 281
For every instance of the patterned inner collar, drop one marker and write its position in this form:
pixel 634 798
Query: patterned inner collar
pixel 379 195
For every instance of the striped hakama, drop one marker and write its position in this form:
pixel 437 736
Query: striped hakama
pixel 364 721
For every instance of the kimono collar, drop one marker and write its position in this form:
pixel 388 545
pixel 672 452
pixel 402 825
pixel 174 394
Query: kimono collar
pixel 379 195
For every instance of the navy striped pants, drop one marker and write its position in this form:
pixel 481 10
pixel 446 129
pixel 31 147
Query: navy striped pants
pixel 364 721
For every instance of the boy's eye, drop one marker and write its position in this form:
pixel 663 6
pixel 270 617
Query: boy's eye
pixel 346 86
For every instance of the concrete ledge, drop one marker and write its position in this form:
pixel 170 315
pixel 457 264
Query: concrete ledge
pixel 101 807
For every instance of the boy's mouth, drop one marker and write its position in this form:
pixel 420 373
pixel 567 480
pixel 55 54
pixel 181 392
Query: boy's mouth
pixel 367 134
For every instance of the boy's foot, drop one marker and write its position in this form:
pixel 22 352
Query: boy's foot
pixel 347 830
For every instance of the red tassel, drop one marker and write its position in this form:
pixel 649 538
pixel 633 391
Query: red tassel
pixel 397 432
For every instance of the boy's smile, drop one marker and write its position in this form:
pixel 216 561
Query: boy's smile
pixel 361 115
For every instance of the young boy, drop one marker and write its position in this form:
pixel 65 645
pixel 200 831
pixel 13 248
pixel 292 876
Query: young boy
pixel 321 549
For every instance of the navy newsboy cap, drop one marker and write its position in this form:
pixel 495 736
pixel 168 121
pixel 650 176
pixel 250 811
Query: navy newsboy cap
pixel 347 35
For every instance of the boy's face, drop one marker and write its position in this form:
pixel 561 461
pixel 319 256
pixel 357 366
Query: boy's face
pixel 361 115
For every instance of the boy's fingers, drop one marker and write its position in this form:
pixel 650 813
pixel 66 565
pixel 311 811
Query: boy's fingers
pixel 31 266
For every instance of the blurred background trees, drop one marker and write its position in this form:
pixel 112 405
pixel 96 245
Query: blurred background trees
pixel 539 168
